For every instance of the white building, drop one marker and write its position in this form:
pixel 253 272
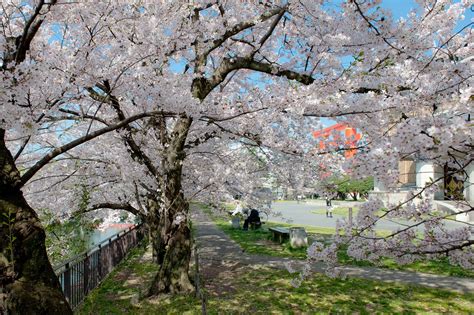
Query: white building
pixel 456 190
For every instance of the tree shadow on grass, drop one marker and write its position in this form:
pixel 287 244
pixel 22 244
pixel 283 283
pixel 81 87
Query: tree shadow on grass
pixel 265 290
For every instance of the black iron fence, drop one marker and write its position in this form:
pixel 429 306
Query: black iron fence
pixel 79 275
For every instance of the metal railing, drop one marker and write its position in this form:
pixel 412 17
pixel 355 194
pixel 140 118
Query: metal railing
pixel 82 273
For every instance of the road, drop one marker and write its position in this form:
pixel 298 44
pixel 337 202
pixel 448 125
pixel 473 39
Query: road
pixel 300 213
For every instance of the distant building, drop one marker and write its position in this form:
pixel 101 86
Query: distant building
pixel 339 136
pixel 413 174
pixel 453 186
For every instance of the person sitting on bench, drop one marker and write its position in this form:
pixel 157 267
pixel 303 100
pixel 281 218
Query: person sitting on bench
pixel 239 209
pixel 253 218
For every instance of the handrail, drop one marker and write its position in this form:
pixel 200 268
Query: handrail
pixel 82 273
pixel 95 247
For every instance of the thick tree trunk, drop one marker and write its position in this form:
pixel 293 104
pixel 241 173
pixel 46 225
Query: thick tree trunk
pixel 155 241
pixel 174 257
pixel 28 284
pixel 174 246
pixel 152 221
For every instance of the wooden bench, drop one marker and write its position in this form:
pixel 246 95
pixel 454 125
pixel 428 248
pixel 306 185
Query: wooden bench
pixel 280 233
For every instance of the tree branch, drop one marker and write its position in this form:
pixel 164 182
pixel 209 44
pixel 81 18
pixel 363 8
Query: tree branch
pixel 355 112
pixel 31 28
pixel 234 116
pixel 240 27
pixel 137 152
pixel 113 206
pixel 270 31
pixel 77 114
pixel 60 150
pixel 371 25
pixel 202 86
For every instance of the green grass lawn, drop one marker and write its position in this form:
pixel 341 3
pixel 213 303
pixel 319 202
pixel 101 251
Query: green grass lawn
pixel 259 242
pixel 267 291
pixel 272 293
pixel 343 211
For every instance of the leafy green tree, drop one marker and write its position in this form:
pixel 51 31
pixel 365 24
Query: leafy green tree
pixel 355 188
pixel 66 239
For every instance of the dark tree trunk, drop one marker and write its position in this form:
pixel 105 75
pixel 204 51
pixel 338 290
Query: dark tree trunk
pixel 152 221
pixel 28 284
pixel 174 257
pixel 156 241
pixel 174 246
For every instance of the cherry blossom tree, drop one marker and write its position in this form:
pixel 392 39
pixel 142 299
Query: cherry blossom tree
pixel 213 97
pixel 39 83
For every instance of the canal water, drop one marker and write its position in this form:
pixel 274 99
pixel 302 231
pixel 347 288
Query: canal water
pixel 100 235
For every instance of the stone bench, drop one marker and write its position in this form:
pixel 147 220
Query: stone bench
pixel 280 233
pixel 296 235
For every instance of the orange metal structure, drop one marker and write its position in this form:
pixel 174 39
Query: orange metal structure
pixel 336 133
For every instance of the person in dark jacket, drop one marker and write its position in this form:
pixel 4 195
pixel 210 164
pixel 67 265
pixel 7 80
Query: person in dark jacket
pixel 252 218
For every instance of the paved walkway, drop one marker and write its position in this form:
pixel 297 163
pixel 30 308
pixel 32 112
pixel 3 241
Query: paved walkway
pixel 217 249
pixel 300 213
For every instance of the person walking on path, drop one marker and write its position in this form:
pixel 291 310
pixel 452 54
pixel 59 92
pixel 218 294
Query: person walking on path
pixel 328 208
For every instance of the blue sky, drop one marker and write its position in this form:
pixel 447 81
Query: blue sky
pixel 400 8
